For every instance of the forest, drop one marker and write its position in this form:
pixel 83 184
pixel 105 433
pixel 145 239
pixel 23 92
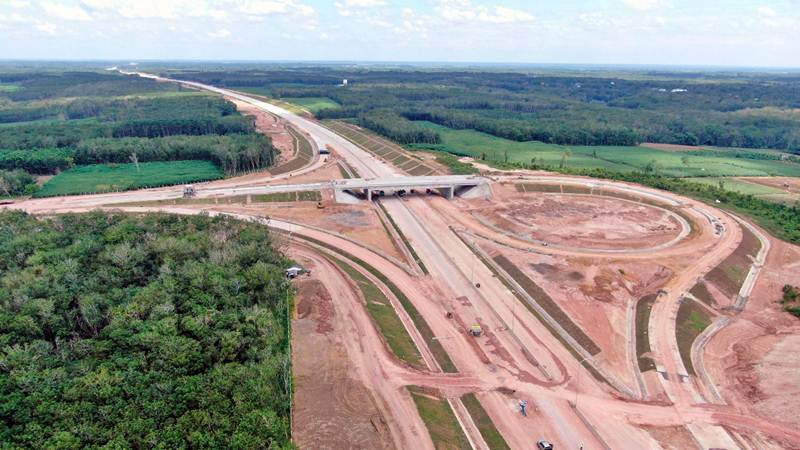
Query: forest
pixel 53 121
pixel 748 110
pixel 148 331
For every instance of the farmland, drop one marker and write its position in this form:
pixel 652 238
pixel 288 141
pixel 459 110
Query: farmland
pixel 100 178
pixel 617 158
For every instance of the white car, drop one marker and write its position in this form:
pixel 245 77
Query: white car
pixel 544 445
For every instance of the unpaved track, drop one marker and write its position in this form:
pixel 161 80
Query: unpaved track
pixel 451 277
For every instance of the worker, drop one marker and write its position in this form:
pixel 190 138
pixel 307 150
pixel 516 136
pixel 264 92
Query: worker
pixel 522 405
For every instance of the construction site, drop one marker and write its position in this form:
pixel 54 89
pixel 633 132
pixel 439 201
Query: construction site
pixel 505 309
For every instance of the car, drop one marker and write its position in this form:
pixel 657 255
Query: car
pixel 544 445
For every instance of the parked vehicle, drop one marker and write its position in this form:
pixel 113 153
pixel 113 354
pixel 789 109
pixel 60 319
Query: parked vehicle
pixel 544 445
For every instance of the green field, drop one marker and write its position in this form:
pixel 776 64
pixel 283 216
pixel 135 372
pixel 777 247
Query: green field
pixel 312 104
pixel 120 177
pixel 476 144
pixel 441 422
pixel 9 87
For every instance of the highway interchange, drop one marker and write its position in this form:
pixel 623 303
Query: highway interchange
pixel 573 409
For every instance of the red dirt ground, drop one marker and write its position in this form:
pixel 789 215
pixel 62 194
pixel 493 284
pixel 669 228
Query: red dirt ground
pixel 271 126
pixel 332 409
pixel 581 221
pixel 755 360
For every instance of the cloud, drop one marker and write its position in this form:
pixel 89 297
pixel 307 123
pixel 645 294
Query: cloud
pixel 646 5
pixel 18 3
pixel 220 34
pixel 269 7
pixel 65 12
pixel 363 3
pixel 466 11
pixel 46 27
pixel 766 11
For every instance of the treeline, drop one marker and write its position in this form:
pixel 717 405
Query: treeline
pixel 16 182
pixel 398 128
pixel 724 110
pixel 519 130
pixel 234 153
pixel 39 85
pixel 115 109
pixel 150 331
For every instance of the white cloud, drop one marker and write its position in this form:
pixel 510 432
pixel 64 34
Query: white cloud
pixel 646 5
pixel 766 11
pixel 220 34
pixel 363 3
pixel 18 3
pixel 466 11
pixel 65 12
pixel 269 7
pixel 46 27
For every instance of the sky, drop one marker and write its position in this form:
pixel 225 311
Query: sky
pixel 752 33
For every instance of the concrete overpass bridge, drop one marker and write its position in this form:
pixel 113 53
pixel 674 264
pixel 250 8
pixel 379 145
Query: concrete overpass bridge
pixel 448 185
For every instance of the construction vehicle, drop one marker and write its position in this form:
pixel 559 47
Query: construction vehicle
pixel 544 445
pixel 475 330
pixel 189 191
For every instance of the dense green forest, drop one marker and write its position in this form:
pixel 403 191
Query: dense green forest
pixel 723 109
pixel 52 121
pixel 151 331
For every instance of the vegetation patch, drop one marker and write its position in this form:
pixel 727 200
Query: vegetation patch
pixel 691 321
pixel 538 187
pixel 440 420
pixel 100 178
pixel 730 274
pixel 548 304
pixel 701 292
pixel 643 308
pixel 385 317
pixel 490 434
pixel 147 331
pixel 791 299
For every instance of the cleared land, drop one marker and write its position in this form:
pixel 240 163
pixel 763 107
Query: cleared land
pixel 476 144
pixel 547 303
pixel 100 178
pixel 440 420
pixel 304 153
pixel 312 104
pixel 386 318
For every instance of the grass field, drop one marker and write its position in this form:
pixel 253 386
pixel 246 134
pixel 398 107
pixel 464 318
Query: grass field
pixel 386 318
pixel 761 191
pixel 9 87
pixel 99 178
pixel 484 423
pixel 475 144
pixel 440 420
pixel 312 104
pixel 643 308
pixel 691 321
